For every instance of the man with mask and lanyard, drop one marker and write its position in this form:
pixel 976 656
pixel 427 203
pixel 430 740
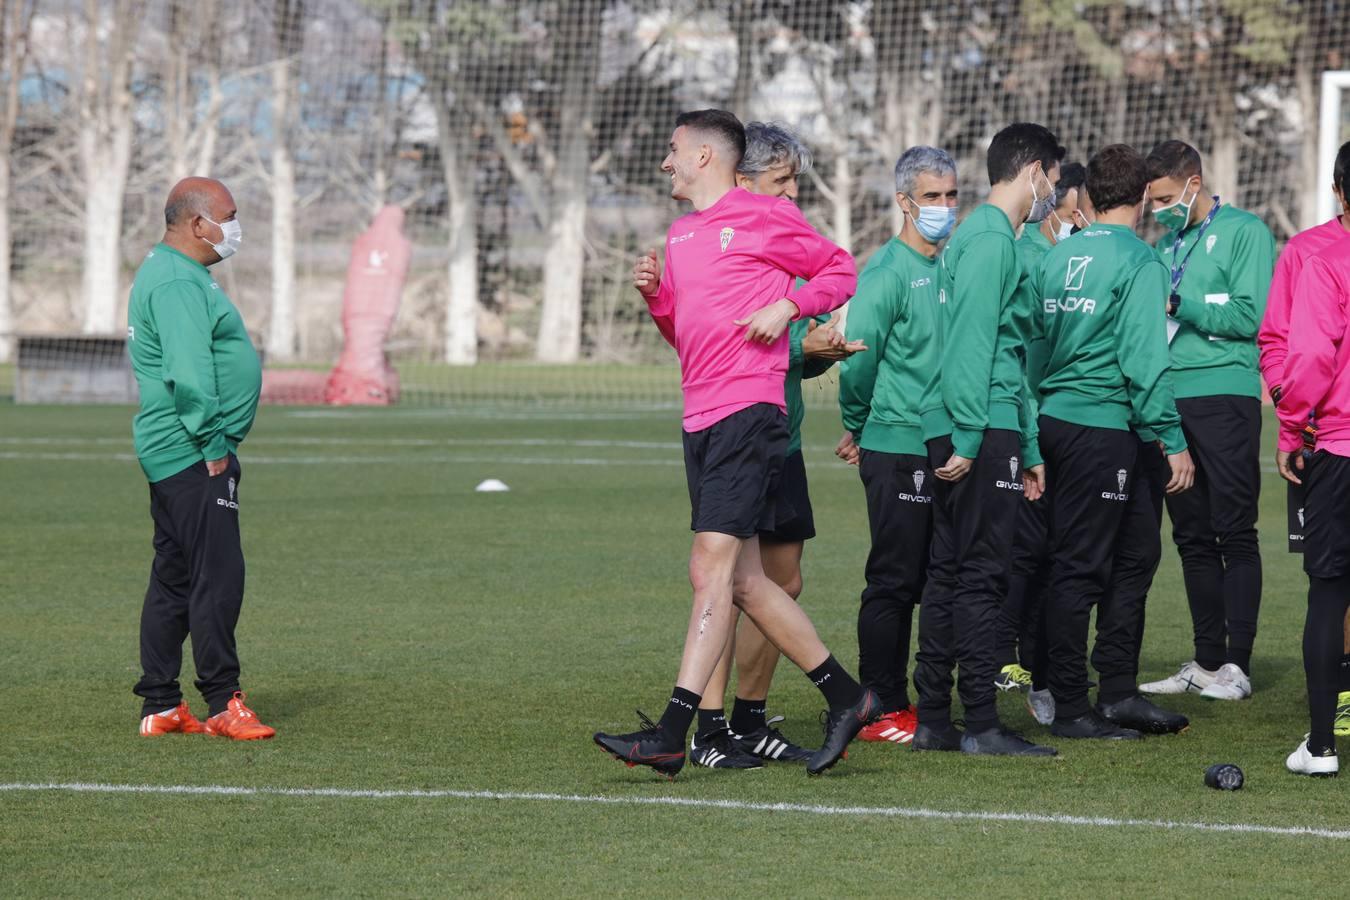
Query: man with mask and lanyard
pixel 1019 612
pixel 894 314
pixel 1220 259
pixel 981 446
pixel 199 380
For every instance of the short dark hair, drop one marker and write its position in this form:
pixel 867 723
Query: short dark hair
pixel 1117 176
pixel 1071 175
pixel 1018 146
pixel 1341 172
pixel 1173 159
pixel 720 123
pixel 185 206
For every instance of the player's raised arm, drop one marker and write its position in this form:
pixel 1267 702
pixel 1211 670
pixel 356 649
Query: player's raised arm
pixel 791 244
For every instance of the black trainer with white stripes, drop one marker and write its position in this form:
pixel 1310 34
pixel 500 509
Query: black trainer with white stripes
pixel 768 743
pixel 720 750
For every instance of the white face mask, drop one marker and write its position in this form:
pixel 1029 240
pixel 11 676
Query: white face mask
pixel 232 235
pixel 1064 228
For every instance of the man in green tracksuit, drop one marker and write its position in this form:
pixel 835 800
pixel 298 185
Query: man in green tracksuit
pixel 199 380
pixel 981 447
pixel 1021 607
pixel 774 159
pixel 1221 259
pixel 1105 371
pixel 894 313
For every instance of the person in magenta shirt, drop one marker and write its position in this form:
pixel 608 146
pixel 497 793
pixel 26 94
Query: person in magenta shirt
pixel 1316 383
pixel 724 299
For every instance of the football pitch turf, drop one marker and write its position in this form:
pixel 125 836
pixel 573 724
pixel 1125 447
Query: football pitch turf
pixel 405 634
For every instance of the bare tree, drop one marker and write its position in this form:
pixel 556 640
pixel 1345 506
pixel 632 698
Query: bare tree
pixel 104 151
pixel 578 59
pixel 191 128
pixel 16 19
pixel 288 24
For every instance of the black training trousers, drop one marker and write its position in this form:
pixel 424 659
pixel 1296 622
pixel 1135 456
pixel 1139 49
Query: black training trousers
pixel 196 587
pixel 899 490
pixel 1326 559
pixel 1090 470
pixel 1214 526
pixel 973 523
pixel 1120 615
pixel 1020 613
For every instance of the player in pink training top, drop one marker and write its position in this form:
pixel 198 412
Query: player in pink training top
pixel 724 300
pixel 1273 339
pixel 1316 380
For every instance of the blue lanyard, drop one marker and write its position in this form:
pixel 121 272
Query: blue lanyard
pixel 1178 272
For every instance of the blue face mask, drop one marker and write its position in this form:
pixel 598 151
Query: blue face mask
pixel 934 222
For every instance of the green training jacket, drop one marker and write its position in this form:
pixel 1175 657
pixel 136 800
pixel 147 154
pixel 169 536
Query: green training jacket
pixel 1103 319
pixel 1223 299
pixel 895 313
pixel 198 373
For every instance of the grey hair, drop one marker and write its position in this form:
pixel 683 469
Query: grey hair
pixel 186 205
pixel 768 145
pixel 917 160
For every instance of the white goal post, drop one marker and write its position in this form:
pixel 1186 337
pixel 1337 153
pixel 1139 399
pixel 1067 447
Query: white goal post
pixel 1333 130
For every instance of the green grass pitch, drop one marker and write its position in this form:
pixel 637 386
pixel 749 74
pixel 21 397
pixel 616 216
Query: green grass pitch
pixel 402 632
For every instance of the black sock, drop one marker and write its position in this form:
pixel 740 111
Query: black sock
pixel 747 716
pixel 837 685
pixel 679 714
pixel 711 721
pixel 1345 673
pixel 1242 659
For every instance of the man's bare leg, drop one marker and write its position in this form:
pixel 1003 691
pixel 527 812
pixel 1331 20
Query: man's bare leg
pixel 712 566
pixel 775 614
pixel 756 656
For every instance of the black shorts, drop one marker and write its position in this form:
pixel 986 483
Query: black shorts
pixel 1326 511
pixel 733 469
pixel 796 523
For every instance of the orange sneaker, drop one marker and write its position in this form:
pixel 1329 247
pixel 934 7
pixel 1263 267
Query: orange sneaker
pixel 896 726
pixel 178 720
pixel 238 722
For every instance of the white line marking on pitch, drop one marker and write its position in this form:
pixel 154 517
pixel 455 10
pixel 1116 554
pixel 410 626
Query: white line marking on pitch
pixel 899 812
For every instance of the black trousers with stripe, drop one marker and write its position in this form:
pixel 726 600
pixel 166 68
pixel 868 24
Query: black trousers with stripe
pixel 1214 526
pixel 196 587
pixel 1120 614
pixel 899 490
pixel 1090 473
pixel 973 524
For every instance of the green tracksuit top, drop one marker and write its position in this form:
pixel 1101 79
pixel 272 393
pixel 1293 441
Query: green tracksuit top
pixel 198 373
pixel 895 313
pixel 1031 249
pixel 800 367
pixel 1103 319
pixel 980 380
pixel 1223 299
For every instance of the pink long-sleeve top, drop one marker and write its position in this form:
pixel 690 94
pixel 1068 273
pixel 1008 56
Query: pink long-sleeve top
pixel 724 263
pixel 1273 338
pixel 1317 369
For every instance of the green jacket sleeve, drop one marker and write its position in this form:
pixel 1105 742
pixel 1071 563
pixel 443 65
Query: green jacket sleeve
pixel 1238 315
pixel 872 313
pixel 809 367
pixel 1143 356
pixel 988 261
pixel 181 312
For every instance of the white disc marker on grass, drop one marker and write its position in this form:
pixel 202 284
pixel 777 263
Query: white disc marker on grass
pixel 492 485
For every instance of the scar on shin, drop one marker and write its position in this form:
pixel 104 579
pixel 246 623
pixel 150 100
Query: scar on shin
pixel 703 619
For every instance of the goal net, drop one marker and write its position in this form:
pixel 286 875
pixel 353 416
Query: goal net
pixel 522 142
